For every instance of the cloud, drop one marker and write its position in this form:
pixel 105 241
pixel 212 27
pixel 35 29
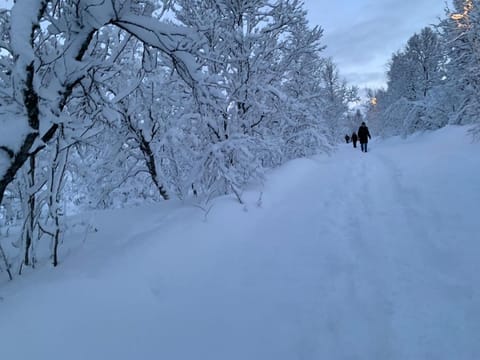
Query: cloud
pixel 361 35
pixel 366 79
pixel 365 39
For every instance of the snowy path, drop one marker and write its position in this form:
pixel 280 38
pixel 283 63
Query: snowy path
pixel 356 256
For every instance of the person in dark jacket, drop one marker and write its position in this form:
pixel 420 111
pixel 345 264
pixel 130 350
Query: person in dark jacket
pixel 347 138
pixel 363 136
pixel 354 139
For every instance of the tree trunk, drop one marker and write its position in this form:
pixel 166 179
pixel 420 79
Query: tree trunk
pixel 30 225
pixel 5 262
pixel 151 165
pixel 57 174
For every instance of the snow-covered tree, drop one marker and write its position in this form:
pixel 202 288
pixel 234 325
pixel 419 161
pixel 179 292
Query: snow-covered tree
pixel 305 129
pixel 415 75
pixel 254 48
pixel 460 32
pixel 49 57
pixel 336 96
pixel 353 121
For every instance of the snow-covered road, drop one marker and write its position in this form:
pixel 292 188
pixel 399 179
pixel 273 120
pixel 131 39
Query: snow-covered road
pixel 353 256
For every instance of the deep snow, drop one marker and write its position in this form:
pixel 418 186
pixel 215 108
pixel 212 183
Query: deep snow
pixel 352 256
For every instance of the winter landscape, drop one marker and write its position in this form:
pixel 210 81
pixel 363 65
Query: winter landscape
pixel 176 183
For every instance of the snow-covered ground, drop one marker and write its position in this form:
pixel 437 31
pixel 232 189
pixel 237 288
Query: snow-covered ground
pixel 352 256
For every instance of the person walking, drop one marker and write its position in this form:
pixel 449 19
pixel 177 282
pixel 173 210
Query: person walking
pixel 363 136
pixel 347 138
pixel 354 139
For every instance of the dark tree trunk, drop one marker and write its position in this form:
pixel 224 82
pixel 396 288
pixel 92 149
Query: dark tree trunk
pixel 152 167
pixel 6 263
pixel 56 242
pixel 30 226
pixel 56 177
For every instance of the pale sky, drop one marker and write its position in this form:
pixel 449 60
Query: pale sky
pixel 361 35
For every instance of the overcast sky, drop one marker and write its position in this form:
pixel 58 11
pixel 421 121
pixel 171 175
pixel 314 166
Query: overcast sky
pixel 361 35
